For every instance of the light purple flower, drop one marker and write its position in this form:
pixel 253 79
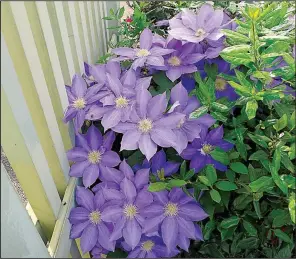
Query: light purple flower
pixel 149 247
pixel 173 213
pixel 92 156
pixel 80 98
pixel 159 162
pixel 199 151
pixel 98 251
pixel 87 222
pixel 126 214
pixel 148 127
pixel 145 55
pixel 187 129
pixel 195 28
pixel 182 60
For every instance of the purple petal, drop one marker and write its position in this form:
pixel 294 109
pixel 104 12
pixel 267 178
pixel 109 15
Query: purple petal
pixel 110 174
pixel 144 198
pixel 130 140
pixel 79 120
pixel 175 194
pixel 151 223
pixel 169 231
pixel 124 51
pixel 89 238
pixel 154 210
pixel 157 51
pixel 111 119
pixel 217 164
pixel 198 162
pixel 158 161
pixel 83 142
pixel 129 78
pixel 189 19
pixel 90 175
pixel 84 198
pixel 170 121
pixel 99 73
pixel 94 137
pixel 147 146
pixel 146 39
pixel 69 114
pixel 143 98
pixel 104 235
pixel 181 140
pixel 192 212
pixel 139 62
pixel 225 145
pixel 206 120
pixel 78 168
pixel 171 168
pixel 112 194
pixel 186 228
pixel 174 73
pixel 189 152
pixel 182 32
pixel 114 85
pixel 96 112
pixel 204 13
pixel 126 170
pixel 163 137
pixel 117 231
pixel 183 242
pixel 110 159
pixel 129 189
pixel 194 58
pixel 135 253
pixel 198 233
pixel 132 233
pixel 111 213
pixel 157 106
pixel 113 68
pixel 77 154
pixel 99 200
pixel 215 134
pixel 77 229
pixel 78 215
pixel 192 129
pixel 179 93
pixel 109 139
pixel 161 196
pixel 78 86
pixel 143 82
pixel 215 21
pixel 123 127
pixel 155 61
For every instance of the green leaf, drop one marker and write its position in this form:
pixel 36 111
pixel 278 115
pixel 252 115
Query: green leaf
pixel 290 180
pixel 237 55
pixel 163 82
pixel 230 175
pixel 259 155
pixel 220 155
pixel 219 107
pixel 241 90
pixel 248 243
pixel 282 235
pixel 257 208
pixel 235 36
pixel 285 252
pixel 226 186
pixel 250 228
pixel 243 80
pixel 240 146
pixel 176 183
pixel 239 167
pixel 274 168
pixel 198 112
pixel 183 169
pixel 204 180
pixel 189 174
pixel 286 162
pixel 281 123
pixel 118 253
pixel 277 47
pixel 292 121
pixel 258 140
pixel 208 229
pixel 230 222
pixel 121 12
pixel 262 184
pixel 211 174
pixel 264 76
pixel 292 207
pixel 215 195
pixel 281 220
pixel 211 70
pixel 218 116
pixel 227 233
pixel 157 187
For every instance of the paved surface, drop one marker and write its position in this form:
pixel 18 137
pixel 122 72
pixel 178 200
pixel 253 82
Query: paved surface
pixel 13 178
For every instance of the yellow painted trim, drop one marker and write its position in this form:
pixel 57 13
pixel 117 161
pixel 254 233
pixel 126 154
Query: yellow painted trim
pixel 58 40
pixel 87 255
pixel 89 33
pixel 71 37
pixel 22 68
pixel 80 31
pixel 48 72
pixel 18 155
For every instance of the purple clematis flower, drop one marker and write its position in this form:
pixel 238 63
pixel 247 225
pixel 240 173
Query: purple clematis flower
pixel 149 247
pixel 187 129
pixel 199 151
pixel 92 156
pixel 98 251
pixel 182 60
pixel 148 127
pixel 147 54
pixel 174 213
pixel 159 162
pixel 126 214
pixel 80 98
pixel 195 28
pixel 87 222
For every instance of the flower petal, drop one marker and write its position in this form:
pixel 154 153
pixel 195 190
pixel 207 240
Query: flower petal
pixel 152 223
pixel 169 231
pixel 109 139
pixel 161 196
pixel 132 233
pixel 78 86
pixel 111 119
pixel 94 137
pixel 96 112
pixel 154 210
pixel 170 121
pixel 99 200
pixel 89 238
pixel 147 146
pixel 117 231
pixel 103 238
pixel 112 194
pixel 84 198
pixel 126 170
pixel 157 106
pixel 78 215
pixel 110 159
pixel 130 140
pixel 77 154
pixel 144 198
pixel 188 152
pixel 114 84
pixel 143 98
pixel 171 168
pixel 129 189
pixel 124 51
pixel 198 162
pixel 113 68
pixel 155 61
pixel 90 175
pixel 179 93
pixel 141 178
pixel 193 212
pixel 110 174
pixel 174 73
pixel 146 39
pixel 158 51
pixel 186 228
pixel 111 213
pixel 215 134
pixel 123 127
pixel 77 229
pixel 163 137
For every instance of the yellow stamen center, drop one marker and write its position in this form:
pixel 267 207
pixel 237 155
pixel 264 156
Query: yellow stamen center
pixel 147 245
pixel 174 61
pixel 200 32
pixel 130 211
pixel 220 84
pixel 95 217
pixel 121 102
pixel 207 148
pixel 94 157
pixel 181 122
pixel 91 78
pixel 143 53
pixel 145 125
pixel 79 103
pixel 171 209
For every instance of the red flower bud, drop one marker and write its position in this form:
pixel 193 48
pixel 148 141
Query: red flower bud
pixel 129 19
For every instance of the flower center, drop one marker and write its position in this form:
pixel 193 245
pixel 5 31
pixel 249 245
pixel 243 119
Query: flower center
pixel 95 217
pixel 91 78
pixel 121 102
pixel 94 157
pixel 220 84
pixel 171 209
pixel 143 53
pixel 200 32
pixel 181 122
pixel 145 125
pixel 174 61
pixel 79 103
pixel 207 148
pixel 130 211
pixel 147 245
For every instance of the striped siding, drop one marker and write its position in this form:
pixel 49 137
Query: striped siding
pixel 43 44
